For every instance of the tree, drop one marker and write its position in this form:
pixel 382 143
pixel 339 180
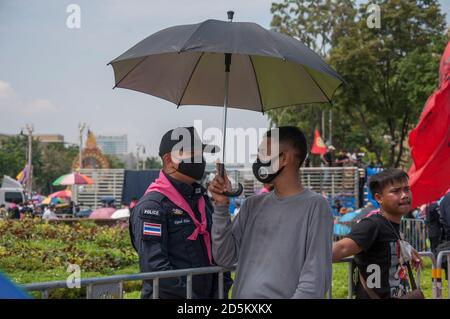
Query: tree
pixel 13 152
pixel 49 160
pixel 115 162
pixel 153 162
pixel 56 160
pixel 389 72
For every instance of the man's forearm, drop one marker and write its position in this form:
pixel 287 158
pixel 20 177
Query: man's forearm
pixel 224 245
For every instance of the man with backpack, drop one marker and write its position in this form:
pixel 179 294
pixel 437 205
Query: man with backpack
pixel 382 257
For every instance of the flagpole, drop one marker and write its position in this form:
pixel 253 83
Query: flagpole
pixel 30 130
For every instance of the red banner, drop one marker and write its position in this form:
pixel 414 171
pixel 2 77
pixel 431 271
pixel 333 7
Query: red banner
pixel 430 143
pixel 318 146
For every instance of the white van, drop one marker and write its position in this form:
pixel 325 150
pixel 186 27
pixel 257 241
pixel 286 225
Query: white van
pixel 11 192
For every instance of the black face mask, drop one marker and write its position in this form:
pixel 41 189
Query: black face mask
pixel 262 171
pixel 192 169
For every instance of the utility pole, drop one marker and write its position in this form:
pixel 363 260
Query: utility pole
pixel 138 148
pixel 81 127
pixel 30 130
pixel 143 161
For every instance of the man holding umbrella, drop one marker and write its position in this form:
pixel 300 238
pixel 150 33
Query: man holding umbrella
pixel 171 224
pixel 281 240
pixel 242 65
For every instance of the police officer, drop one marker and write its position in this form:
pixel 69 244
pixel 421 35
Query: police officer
pixel 171 224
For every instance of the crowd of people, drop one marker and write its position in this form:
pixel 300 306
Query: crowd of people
pixel 280 240
pixel 342 158
pixel 30 209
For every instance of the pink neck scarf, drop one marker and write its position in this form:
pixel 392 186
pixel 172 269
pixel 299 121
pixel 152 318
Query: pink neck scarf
pixel 162 185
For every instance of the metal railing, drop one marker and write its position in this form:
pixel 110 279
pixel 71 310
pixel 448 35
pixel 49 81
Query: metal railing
pixel 349 261
pixel 415 232
pixel 107 182
pixel 437 274
pixel 112 286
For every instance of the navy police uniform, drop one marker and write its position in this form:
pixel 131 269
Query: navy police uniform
pixel 163 245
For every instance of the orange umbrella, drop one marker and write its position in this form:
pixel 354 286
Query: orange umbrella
pixel 73 179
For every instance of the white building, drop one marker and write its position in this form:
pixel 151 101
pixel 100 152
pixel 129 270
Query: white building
pixel 113 145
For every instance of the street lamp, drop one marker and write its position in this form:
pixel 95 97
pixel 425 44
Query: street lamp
pixel 138 149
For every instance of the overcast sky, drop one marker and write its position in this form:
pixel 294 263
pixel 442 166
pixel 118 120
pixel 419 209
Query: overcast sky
pixel 55 77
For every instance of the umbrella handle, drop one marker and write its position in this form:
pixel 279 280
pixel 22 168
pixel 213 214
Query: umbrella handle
pixel 234 193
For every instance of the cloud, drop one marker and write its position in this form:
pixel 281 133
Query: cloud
pixel 12 103
pixel 38 106
pixel 6 90
pixel 165 12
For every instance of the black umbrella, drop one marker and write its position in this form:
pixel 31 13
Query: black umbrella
pixel 218 63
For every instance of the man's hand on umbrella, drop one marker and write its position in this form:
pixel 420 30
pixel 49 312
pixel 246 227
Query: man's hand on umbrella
pixel 218 186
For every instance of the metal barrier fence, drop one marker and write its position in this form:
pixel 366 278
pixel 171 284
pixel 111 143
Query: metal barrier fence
pixel 107 182
pixel 112 286
pixel 437 274
pixel 415 232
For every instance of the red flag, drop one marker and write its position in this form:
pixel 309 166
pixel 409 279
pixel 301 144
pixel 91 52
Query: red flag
pixel 444 66
pixel 430 143
pixel 318 146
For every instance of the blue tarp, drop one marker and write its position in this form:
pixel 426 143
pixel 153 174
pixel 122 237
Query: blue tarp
pixel 349 216
pixel 341 230
pixel 10 291
pixel 135 183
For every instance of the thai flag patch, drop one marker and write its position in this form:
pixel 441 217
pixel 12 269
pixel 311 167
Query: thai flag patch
pixel 152 229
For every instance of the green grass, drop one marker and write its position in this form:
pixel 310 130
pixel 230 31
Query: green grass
pixel 35 251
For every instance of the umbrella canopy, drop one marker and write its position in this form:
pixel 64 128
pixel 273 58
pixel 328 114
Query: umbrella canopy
pixel 102 213
pixel 51 200
pixel 65 193
pixel 185 65
pixel 349 217
pixel 73 179
pixel 37 198
pixel 121 213
pixel 217 63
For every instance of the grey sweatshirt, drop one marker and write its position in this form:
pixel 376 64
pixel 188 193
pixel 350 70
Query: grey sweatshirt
pixel 283 247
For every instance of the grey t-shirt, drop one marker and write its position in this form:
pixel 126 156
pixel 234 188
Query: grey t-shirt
pixel 283 247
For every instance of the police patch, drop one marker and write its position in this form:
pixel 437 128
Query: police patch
pixel 152 229
pixel 152 212
pixel 177 211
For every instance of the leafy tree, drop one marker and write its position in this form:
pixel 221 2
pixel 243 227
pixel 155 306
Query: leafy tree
pixel 13 152
pixel 153 162
pixel 115 162
pixel 389 71
pixel 49 160
pixel 56 160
